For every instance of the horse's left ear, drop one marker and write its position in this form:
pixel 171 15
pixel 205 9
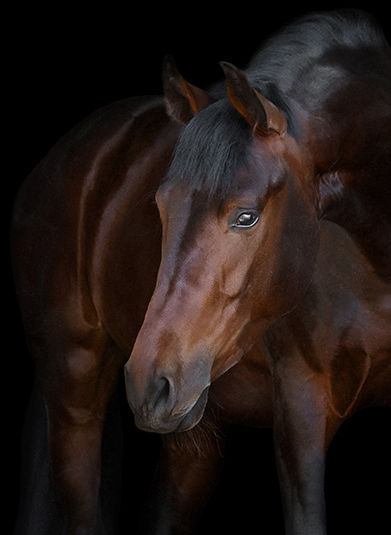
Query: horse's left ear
pixel 183 100
pixel 262 115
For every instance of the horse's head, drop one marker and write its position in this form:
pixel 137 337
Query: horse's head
pixel 239 242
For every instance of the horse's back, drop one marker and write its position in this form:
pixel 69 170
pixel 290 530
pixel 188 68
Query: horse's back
pixel 59 206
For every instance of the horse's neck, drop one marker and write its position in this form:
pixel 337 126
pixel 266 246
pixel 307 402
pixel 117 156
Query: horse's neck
pixel 358 198
pixel 353 167
pixel 368 223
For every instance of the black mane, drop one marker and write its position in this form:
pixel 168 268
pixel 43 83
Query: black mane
pixel 284 57
pixel 286 70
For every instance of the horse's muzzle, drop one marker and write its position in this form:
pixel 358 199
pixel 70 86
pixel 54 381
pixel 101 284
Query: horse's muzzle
pixel 160 409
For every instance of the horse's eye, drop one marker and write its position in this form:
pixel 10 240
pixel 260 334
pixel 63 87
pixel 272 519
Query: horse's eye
pixel 245 219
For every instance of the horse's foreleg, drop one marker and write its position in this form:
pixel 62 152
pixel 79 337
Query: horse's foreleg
pixel 302 433
pixel 77 391
pixel 75 456
pixel 188 472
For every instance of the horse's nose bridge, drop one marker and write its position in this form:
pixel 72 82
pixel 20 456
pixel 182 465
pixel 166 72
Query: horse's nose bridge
pixel 163 357
pixel 151 362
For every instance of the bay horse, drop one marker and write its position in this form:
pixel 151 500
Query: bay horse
pixel 81 320
pixel 276 215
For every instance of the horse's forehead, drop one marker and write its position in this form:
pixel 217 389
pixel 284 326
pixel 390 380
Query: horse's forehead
pixel 187 200
pixel 179 202
pixel 252 178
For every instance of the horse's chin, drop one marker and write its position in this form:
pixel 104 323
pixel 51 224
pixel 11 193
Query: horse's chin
pixel 176 425
pixel 192 418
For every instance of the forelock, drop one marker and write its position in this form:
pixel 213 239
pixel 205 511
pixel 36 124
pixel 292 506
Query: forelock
pixel 211 149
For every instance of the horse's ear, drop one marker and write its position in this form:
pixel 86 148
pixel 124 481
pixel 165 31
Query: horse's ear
pixel 183 100
pixel 262 115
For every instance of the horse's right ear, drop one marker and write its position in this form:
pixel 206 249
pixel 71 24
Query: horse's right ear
pixel 183 100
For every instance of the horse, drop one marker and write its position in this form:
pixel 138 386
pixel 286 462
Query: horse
pixel 276 222
pixel 80 320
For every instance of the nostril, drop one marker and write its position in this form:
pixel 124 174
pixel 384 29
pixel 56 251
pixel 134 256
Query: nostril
pixel 164 395
pixel 149 392
pixel 163 386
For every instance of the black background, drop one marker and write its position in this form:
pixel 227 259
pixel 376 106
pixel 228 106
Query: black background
pixel 63 61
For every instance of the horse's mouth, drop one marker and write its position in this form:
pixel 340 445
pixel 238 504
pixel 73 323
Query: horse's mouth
pixel 175 423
